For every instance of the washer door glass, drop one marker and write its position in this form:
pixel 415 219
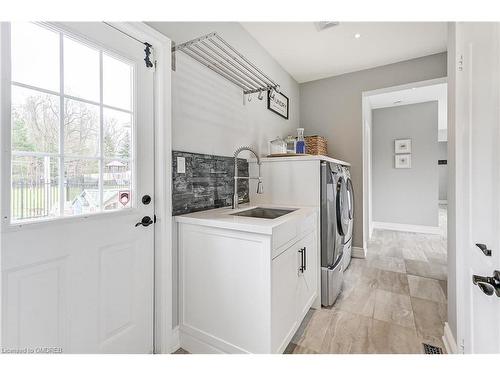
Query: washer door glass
pixel 350 201
pixel 342 207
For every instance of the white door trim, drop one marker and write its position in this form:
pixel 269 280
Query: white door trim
pixel 406 86
pixel 449 341
pixel 457 192
pixel 164 338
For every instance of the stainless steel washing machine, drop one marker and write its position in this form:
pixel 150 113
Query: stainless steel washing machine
pixel 334 222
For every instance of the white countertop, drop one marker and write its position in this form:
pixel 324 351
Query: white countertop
pixel 222 218
pixel 299 158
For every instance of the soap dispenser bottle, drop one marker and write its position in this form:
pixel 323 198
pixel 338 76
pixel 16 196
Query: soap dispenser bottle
pixel 300 146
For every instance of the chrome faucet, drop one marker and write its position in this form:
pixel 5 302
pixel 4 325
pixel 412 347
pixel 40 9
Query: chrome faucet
pixel 260 189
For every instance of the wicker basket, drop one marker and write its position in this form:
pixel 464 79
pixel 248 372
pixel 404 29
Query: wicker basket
pixel 315 145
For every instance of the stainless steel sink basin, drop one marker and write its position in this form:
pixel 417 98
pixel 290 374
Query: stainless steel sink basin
pixel 264 213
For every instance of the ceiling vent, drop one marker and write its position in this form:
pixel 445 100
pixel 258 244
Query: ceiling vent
pixel 323 25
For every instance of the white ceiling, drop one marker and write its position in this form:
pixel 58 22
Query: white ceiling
pixel 308 54
pixel 417 95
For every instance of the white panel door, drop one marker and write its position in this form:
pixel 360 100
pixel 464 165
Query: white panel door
pixel 77 160
pixel 478 137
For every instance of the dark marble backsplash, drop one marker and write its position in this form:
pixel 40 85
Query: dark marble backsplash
pixel 207 183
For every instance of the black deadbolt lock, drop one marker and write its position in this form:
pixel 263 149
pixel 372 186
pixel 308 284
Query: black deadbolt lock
pixel 146 199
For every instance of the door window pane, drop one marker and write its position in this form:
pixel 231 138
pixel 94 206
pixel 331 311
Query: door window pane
pixel 81 128
pixel 71 148
pixel 117 133
pixel 81 70
pixel 34 121
pixel 35 187
pixel 117 83
pixel 81 187
pixel 35 55
pixel 117 185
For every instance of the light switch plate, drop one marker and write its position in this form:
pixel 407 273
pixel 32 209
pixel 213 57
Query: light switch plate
pixel 181 164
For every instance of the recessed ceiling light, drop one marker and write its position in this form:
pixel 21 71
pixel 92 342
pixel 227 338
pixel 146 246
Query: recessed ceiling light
pixel 357 35
pixel 397 102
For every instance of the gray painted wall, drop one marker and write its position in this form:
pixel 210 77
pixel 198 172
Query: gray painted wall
pixel 443 171
pixel 405 196
pixel 332 108
pixel 208 115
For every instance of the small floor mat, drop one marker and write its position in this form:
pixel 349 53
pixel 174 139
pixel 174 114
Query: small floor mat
pixel 431 349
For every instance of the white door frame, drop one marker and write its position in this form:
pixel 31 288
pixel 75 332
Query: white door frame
pixel 163 337
pixel 366 128
pixel 164 341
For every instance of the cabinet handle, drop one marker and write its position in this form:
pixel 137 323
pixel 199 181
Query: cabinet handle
pixel 301 268
pixel 304 254
pixel 302 259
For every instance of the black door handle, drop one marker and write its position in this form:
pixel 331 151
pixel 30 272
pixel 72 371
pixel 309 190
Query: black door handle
pixel 488 285
pixel 304 254
pixel 145 222
pixel 484 249
pixel 146 199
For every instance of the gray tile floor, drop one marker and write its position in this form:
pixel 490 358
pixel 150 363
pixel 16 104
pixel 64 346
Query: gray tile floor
pixel 391 302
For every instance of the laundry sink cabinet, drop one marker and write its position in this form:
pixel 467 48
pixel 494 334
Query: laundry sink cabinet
pixel 246 290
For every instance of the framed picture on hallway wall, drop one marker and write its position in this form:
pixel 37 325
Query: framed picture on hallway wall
pixel 402 161
pixel 402 146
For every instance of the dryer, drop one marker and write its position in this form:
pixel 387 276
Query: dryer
pixel 334 222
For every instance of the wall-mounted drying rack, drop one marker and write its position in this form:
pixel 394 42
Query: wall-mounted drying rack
pixel 219 56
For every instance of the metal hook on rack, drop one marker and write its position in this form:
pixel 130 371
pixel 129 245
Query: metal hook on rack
pixel 261 96
pixel 249 98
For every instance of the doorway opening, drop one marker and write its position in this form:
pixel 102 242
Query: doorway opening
pixel 393 301
pixel 405 206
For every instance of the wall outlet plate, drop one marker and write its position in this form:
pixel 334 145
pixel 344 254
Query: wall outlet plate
pixel 181 164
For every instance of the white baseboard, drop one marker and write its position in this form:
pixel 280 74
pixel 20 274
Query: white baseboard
pixel 449 341
pixel 175 343
pixel 406 227
pixel 443 201
pixel 358 252
pixel 196 341
pixel 195 346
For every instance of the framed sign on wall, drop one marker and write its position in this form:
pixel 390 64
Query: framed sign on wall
pixel 402 146
pixel 402 161
pixel 278 104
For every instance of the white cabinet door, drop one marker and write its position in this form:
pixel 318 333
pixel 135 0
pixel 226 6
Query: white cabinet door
pixel 308 277
pixel 284 293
